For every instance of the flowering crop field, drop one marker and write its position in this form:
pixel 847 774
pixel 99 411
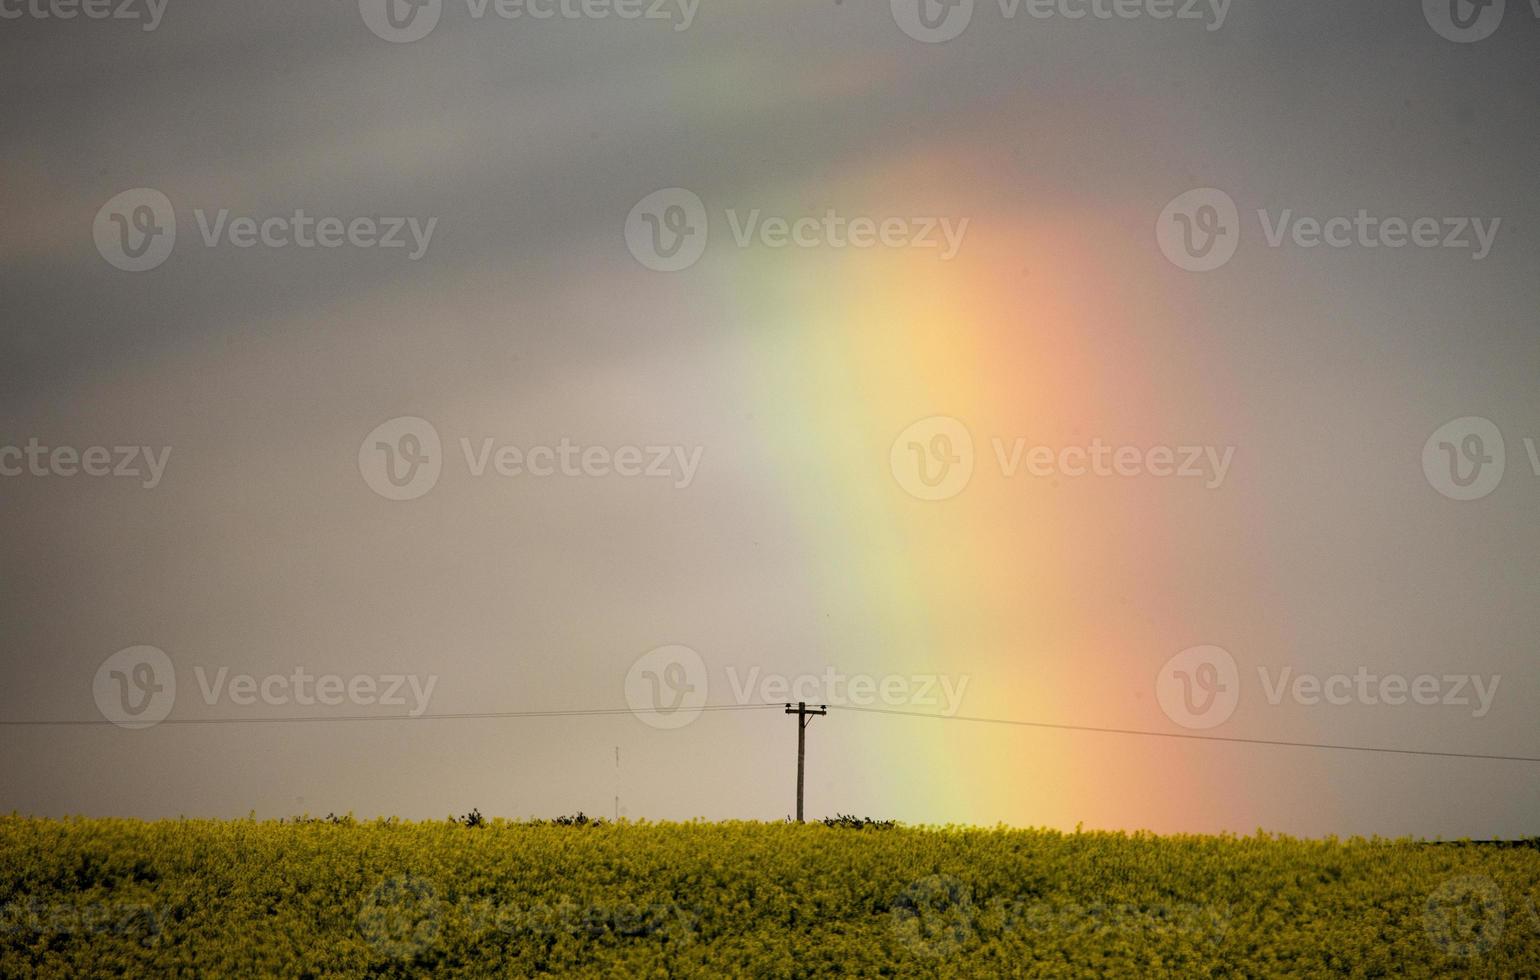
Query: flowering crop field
pixel 388 898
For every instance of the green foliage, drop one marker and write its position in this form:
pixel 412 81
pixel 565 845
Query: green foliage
pixel 332 818
pixel 342 898
pixel 858 823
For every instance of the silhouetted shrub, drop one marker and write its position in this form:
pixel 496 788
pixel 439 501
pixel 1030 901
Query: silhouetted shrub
pixel 851 822
pixel 346 820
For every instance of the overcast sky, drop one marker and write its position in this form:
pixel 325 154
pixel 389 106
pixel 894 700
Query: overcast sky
pixel 518 438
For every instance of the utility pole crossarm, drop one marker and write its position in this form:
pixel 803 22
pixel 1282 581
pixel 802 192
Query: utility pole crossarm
pixel 804 715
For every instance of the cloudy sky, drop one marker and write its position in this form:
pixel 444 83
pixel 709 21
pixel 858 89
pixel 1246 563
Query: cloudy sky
pixel 1159 367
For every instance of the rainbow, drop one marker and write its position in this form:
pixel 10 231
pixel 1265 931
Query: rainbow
pixel 1044 592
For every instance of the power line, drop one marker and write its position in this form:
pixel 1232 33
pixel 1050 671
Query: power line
pixel 460 716
pixel 600 712
pixel 1187 735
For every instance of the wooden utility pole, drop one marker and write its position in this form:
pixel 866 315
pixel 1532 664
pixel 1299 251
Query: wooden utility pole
pixel 804 715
